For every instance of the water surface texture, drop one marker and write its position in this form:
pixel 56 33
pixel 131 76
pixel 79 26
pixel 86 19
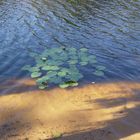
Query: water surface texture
pixel 110 29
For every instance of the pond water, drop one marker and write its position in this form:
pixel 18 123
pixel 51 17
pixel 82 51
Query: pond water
pixel 110 29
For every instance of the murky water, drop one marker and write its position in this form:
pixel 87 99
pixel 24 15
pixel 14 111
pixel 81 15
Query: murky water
pixel 110 29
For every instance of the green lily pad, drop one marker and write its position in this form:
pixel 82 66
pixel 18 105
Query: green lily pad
pixel 36 74
pixel 68 84
pixel 34 69
pixel 83 63
pixel 71 49
pixel 60 64
pixel 62 73
pixel 92 57
pixel 72 62
pixel 39 62
pixel 99 73
pixel 64 85
pixel 50 68
pixel 92 61
pixel 42 87
pixel 42 79
pixel 55 80
pixel 26 67
pixel 100 67
pixel 84 58
pixel 75 76
pixel 83 49
pixel 72 83
pixel 51 74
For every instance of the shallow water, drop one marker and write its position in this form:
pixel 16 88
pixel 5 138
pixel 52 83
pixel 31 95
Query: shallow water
pixel 110 29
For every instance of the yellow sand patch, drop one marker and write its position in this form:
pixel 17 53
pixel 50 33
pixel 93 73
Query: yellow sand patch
pixel 107 111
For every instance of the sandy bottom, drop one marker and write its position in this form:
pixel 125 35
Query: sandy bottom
pixel 109 111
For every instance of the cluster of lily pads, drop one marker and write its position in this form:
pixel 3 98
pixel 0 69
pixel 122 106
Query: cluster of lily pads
pixel 61 66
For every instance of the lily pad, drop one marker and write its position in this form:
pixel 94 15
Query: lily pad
pixel 47 67
pixel 68 84
pixel 60 64
pixel 83 49
pixel 42 87
pixel 99 73
pixel 42 79
pixel 72 83
pixel 55 80
pixel 72 62
pixel 84 58
pixel 64 85
pixel 36 74
pixel 84 63
pixel 26 67
pixel 62 73
pixel 51 74
pixel 34 69
pixel 101 67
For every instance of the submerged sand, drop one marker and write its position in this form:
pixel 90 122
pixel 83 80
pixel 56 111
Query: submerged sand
pixel 107 111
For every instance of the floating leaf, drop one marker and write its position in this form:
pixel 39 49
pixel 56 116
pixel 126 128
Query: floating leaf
pixel 42 79
pixel 71 49
pixel 26 67
pixel 72 83
pixel 84 58
pixel 75 76
pixel 83 63
pixel 51 74
pixel 62 73
pixel 68 84
pixel 34 69
pixel 72 62
pixel 83 49
pixel 35 74
pixel 55 80
pixel 50 68
pixel 59 64
pixel 92 57
pixel 42 87
pixel 99 73
pixel 64 85
pixel 101 67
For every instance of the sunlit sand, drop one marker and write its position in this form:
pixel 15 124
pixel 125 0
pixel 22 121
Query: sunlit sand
pixel 106 111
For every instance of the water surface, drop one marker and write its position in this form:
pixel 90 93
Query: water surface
pixel 110 29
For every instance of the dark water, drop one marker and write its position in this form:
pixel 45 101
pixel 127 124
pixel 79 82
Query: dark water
pixel 110 29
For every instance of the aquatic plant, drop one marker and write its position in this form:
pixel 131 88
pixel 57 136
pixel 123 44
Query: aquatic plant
pixel 61 66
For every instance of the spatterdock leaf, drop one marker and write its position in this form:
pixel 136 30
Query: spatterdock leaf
pixel 83 49
pixel 101 68
pixel 62 73
pixel 99 73
pixel 83 63
pixel 42 87
pixel 64 85
pixel 35 74
pixel 26 67
pixel 50 67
